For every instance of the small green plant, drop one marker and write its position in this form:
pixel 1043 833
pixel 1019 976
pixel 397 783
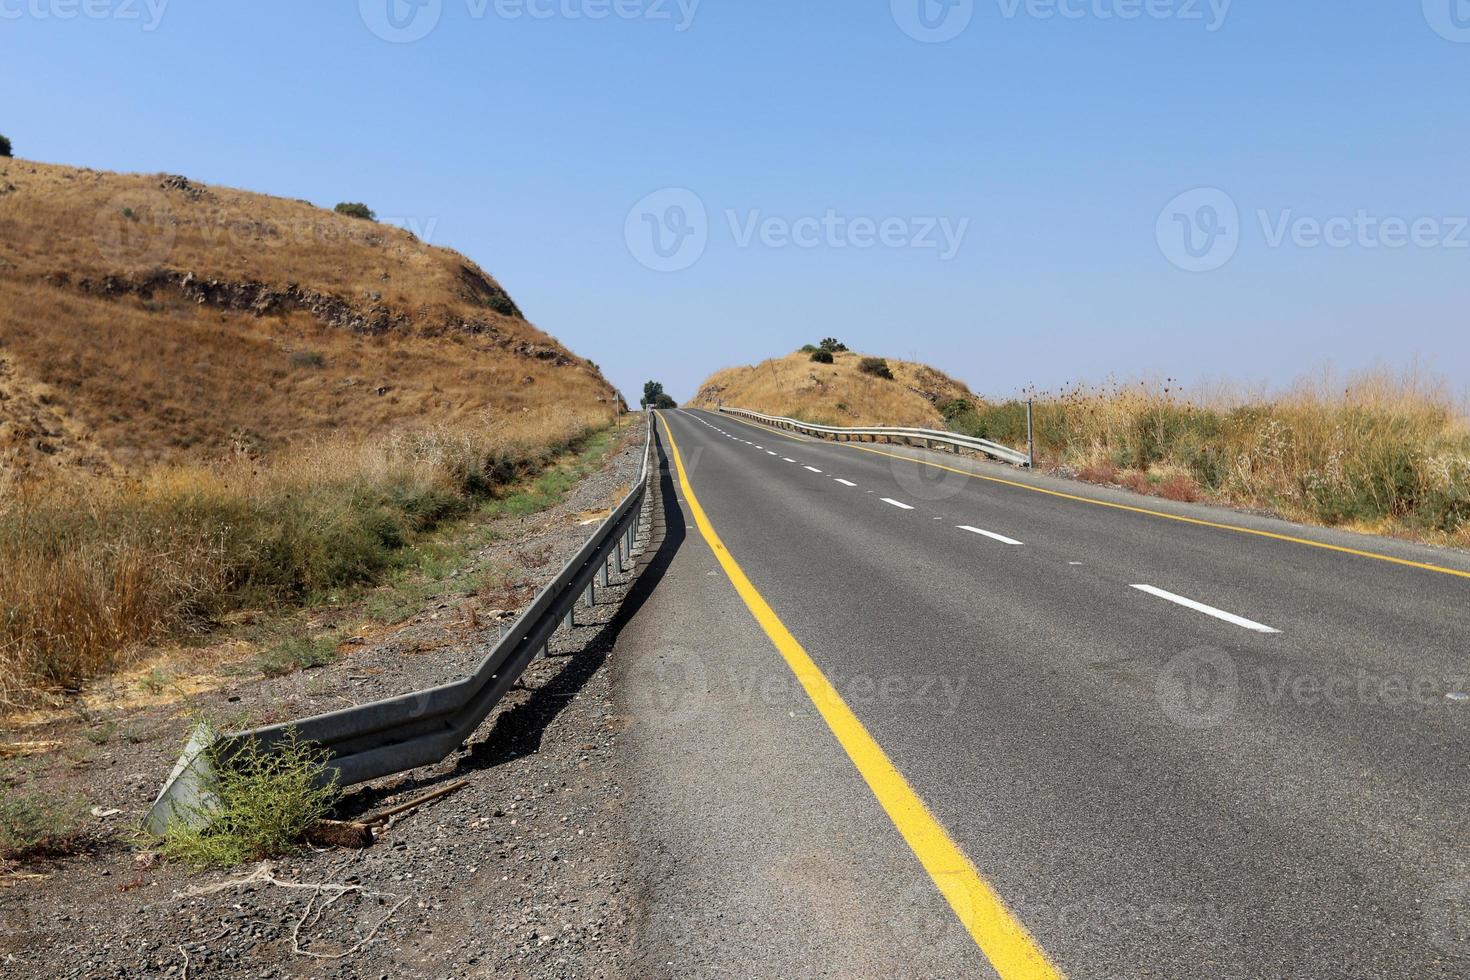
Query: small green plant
pixel 833 345
pixel 156 681
pixel 877 367
pixel 822 356
pixel 956 408
pixel 4 146
pixel 809 348
pixel 100 735
pixel 356 209
pixel 300 652
pixel 130 214
pixel 35 825
pixel 267 797
pixel 308 359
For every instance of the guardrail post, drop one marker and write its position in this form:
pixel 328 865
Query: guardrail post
pixel 604 572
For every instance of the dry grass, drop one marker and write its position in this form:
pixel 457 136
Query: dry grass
pixel 211 398
pixel 1384 452
pixel 91 572
pixel 98 378
pixel 834 394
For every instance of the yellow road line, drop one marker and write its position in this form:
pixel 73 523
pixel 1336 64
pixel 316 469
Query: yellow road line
pixel 1170 517
pixel 998 933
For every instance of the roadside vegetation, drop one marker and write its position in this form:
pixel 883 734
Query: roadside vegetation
pixel 1382 453
pixel 91 572
pixel 268 798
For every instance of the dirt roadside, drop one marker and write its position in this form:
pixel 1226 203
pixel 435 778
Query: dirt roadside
pixel 525 872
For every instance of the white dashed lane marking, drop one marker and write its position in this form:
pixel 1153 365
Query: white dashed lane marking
pixel 897 503
pixel 1240 621
pixel 846 483
pixel 812 468
pixel 989 534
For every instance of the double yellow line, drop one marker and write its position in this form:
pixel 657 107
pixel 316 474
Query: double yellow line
pixel 1011 950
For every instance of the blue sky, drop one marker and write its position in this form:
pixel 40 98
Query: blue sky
pixel 1000 188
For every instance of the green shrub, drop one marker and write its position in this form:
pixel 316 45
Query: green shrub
pixel 268 797
pixel 37 826
pixel 822 356
pixel 4 146
pixel 956 408
pixel 308 359
pixel 809 349
pixel 355 209
pixel 833 345
pixel 877 367
pixel 300 652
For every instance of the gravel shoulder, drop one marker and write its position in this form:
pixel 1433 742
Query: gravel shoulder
pixel 523 872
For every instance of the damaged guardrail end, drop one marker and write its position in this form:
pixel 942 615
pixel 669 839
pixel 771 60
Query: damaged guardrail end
pixel 185 798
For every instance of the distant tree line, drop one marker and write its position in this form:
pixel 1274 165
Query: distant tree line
pixel 654 397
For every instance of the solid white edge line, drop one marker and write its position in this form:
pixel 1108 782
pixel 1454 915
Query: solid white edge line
pixel 897 503
pixel 989 534
pixel 845 483
pixel 1207 610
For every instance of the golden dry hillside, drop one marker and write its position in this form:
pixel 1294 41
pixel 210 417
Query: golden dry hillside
pixel 149 319
pixel 836 393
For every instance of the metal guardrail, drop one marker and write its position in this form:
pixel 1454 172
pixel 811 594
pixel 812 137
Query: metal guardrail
pixel 927 436
pixel 401 733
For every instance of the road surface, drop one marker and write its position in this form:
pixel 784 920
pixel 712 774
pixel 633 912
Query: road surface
pixel 1137 738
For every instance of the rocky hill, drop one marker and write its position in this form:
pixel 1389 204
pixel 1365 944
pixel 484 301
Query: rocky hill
pixel 151 319
pixel 838 393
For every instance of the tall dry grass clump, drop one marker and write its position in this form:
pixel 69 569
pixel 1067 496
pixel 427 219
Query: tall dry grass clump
pixel 91 571
pixel 1382 452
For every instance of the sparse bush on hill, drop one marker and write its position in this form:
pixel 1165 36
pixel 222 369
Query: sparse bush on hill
pixel 822 356
pixel 308 359
pixel 4 146
pixel 354 209
pixel 877 367
pixel 956 408
pixel 809 349
pixel 833 345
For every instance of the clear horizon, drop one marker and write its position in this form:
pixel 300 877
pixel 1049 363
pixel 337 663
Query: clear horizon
pixel 1017 193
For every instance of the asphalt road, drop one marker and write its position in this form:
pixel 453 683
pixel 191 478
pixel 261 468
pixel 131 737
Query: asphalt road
pixel 1171 749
